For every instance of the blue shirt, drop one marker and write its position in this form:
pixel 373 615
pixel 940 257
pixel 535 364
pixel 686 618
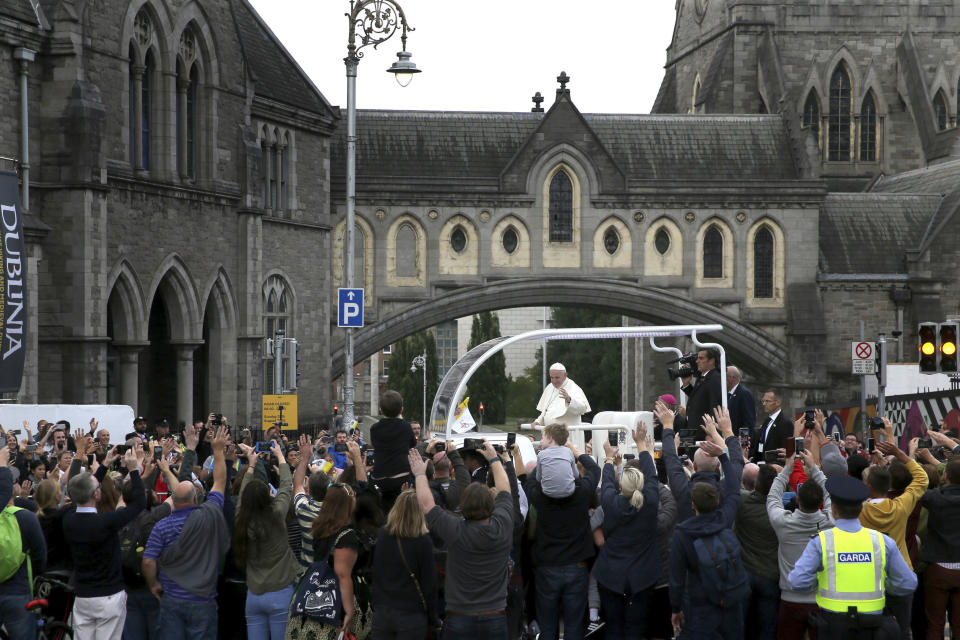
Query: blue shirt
pixel 339 458
pixel 900 580
pixel 163 535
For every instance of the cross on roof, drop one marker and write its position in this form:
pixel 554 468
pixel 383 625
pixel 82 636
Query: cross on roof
pixel 537 101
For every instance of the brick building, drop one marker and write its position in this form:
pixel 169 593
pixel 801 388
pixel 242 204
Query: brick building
pixel 178 204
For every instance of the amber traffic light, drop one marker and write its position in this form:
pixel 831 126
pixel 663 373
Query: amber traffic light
pixel 948 347
pixel 927 336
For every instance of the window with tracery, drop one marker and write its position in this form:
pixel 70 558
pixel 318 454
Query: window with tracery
pixel 868 128
pixel 839 119
pixel 561 208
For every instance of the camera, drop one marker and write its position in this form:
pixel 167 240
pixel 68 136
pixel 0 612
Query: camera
pixel 440 446
pixel 473 443
pixel 876 424
pixel 217 419
pixel 925 443
pixel 263 447
pixel 340 447
pixel 629 456
pixel 499 448
pixel 688 367
pixel 13 432
pixel 31 448
pixel 771 456
pixel 808 421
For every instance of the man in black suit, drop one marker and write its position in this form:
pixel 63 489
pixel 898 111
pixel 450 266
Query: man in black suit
pixel 774 431
pixel 740 403
pixel 705 394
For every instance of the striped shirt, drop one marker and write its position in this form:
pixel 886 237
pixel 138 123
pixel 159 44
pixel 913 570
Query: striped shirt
pixel 306 509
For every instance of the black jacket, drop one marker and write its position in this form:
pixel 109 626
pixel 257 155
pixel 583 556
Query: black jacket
pixel 777 437
pixel 563 534
pixel 702 397
pixel 743 409
pixel 940 541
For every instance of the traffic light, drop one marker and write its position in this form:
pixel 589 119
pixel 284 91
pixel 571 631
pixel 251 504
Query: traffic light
pixel 292 370
pixel 927 335
pixel 948 347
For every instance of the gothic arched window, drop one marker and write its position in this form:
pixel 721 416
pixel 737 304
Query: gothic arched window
pixel 277 312
pixel 868 128
pixel 406 251
pixel 143 78
pixel 763 264
pixel 713 253
pixel 940 109
pixel 188 106
pixel 811 114
pixel 838 120
pixel 561 208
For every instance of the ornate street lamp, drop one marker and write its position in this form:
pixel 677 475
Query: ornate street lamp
pixel 372 22
pixel 421 361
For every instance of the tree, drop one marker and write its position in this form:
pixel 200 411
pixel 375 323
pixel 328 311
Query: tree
pixel 410 383
pixel 489 383
pixel 595 365
pixel 524 391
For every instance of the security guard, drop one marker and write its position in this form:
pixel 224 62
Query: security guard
pixel 852 568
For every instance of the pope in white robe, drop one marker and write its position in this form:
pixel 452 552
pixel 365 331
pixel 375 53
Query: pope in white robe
pixel 562 401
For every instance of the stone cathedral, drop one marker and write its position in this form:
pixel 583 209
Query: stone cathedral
pixel 183 183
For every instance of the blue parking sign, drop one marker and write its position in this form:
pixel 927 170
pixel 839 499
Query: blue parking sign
pixel 350 308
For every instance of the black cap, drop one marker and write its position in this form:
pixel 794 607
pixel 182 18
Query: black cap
pixel 847 489
pixel 163 423
pixel 140 419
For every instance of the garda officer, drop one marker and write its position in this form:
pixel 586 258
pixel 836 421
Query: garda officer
pixel 852 568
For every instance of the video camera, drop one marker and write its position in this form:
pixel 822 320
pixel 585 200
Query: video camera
pixel 688 367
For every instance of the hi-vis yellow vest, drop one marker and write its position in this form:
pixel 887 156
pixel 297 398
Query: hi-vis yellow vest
pixel 854 569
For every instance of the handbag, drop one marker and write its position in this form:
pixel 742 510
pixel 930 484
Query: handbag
pixel 317 596
pixel 433 630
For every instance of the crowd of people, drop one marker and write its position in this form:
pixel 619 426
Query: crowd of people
pixel 762 534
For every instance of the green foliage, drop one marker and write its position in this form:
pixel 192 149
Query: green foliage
pixel 595 365
pixel 524 392
pixel 489 383
pixel 410 383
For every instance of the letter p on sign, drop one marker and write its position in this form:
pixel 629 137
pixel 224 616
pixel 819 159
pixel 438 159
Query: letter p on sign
pixel 350 308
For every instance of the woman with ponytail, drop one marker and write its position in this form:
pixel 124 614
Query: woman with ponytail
pixel 628 565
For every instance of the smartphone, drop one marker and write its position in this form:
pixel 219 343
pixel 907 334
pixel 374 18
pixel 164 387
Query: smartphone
pixel 871 445
pixel 122 449
pixel 935 426
pixel 836 437
pixel 808 421
pixel 744 436
pixel 798 446
pixel 263 447
pixel 90 458
pixel 613 438
pixel 31 448
pixel 511 439
pixel 789 446
pixel 925 443
pixel 13 432
pixel 370 458
pixel 340 448
pixel 157 453
pixel 629 456
pixel 770 457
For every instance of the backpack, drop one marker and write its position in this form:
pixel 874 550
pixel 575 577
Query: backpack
pixel 11 546
pixel 722 575
pixel 317 596
pixel 133 539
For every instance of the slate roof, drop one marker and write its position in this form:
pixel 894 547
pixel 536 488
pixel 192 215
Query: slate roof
pixel 434 143
pixel 266 57
pixel 939 178
pixel 21 10
pixel 867 233
pixel 444 144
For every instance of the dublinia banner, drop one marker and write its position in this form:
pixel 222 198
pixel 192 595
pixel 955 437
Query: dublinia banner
pixel 13 286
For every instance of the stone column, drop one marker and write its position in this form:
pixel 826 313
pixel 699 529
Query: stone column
pixel 185 381
pixel 137 118
pixel 183 163
pixel 130 374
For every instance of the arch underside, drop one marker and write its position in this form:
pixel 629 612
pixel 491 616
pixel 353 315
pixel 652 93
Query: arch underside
pixel 749 347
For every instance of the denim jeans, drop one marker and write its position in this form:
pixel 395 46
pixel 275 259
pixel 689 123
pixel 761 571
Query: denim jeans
pixel 181 619
pixel 267 614
pixel 562 588
pixel 761 608
pixel 389 624
pixel 625 614
pixel 143 616
pixel 475 627
pixel 19 622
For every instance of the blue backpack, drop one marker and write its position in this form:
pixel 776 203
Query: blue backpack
pixel 724 579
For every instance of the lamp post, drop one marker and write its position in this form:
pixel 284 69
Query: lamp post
pixel 373 22
pixel 421 361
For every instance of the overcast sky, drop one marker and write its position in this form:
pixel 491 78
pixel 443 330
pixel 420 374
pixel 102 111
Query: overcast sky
pixel 491 55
